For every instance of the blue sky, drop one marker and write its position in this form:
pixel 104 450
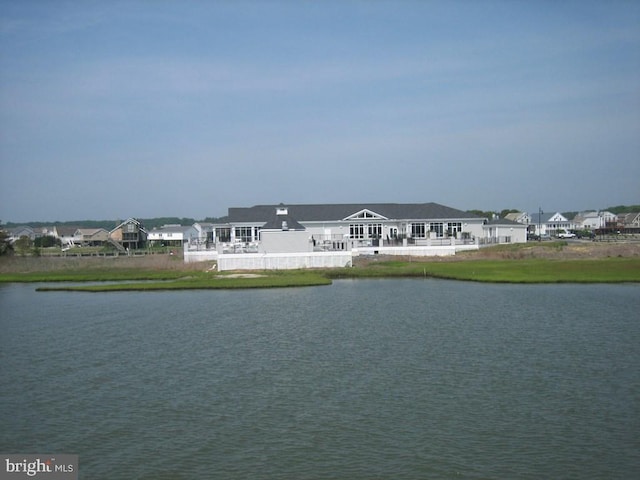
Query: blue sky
pixel 152 108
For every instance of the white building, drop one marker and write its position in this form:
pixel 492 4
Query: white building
pixel 549 223
pixel 503 230
pixel 345 226
pixel 173 235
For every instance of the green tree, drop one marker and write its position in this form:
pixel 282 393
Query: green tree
pixel 23 245
pixel 507 211
pixel 5 246
pixel 481 213
pixel 46 241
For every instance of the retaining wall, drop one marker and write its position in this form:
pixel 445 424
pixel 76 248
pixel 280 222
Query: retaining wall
pixel 283 261
pixel 200 256
pixel 417 251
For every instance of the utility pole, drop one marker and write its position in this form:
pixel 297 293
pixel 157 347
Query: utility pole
pixel 539 224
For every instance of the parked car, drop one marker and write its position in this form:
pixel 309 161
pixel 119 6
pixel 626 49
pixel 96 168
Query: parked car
pixel 566 235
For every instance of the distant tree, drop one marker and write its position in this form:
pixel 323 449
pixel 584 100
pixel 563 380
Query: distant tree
pixel 486 214
pixel 5 246
pixel 624 209
pixel 46 241
pixel 507 211
pixel 213 220
pixel 23 245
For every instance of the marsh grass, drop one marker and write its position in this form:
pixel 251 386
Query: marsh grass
pixel 604 270
pixel 297 278
pixel 513 264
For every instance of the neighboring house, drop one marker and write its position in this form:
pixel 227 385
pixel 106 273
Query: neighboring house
pixel 593 220
pixel 344 226
pixel 587 221
pixel 630 220
pixel 205 232
pixel 66 235
pixel 503 230
pixel 549 223
pixel 91 236
pixel 520 217
pixel 129 234
pixel 23 231
pixel 173 235
pixel 609 220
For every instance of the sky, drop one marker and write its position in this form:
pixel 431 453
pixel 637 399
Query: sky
pixel 157 108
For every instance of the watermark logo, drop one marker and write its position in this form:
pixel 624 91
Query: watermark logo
pixel 33 466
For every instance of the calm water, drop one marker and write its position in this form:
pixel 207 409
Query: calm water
pixel 367 379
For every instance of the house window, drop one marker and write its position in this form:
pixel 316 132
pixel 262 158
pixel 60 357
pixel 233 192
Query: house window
pixel 223 234
pixel 418 230
pixel 356 230
pixel 437 228
pixel 454 228
pixel 244 234
pixel 375 230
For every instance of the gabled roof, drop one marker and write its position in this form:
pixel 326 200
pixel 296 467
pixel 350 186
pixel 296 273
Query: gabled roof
pixel 20 229
pixel 127 221
pixel 629 218
pixel 66 231
pixel 505 221
pixel 364 214
pixel 516 215
pixel 546 217
pixel 277 219
pixel 89 231
pixel 339 212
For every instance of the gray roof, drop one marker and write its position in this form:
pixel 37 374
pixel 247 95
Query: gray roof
pixel 546 217
pixel 275 222
pixel 171 229
pixel 336 212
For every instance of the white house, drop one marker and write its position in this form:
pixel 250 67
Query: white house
pixel 173 235
pixel 587 221
pixel 346 226
pixel 205 233
pixel 594 220
pixel 520 217
pixel 503 230
pixel 66 235
pixel 549 223
pixel 23 231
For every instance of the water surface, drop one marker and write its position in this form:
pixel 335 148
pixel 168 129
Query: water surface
pixel 363 379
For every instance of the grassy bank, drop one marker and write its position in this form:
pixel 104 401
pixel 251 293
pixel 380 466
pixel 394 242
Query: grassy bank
pixel 524 264
pixel 608 270
pixel 207 282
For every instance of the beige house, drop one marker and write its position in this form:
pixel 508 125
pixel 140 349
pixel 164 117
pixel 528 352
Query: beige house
pixel 91 236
